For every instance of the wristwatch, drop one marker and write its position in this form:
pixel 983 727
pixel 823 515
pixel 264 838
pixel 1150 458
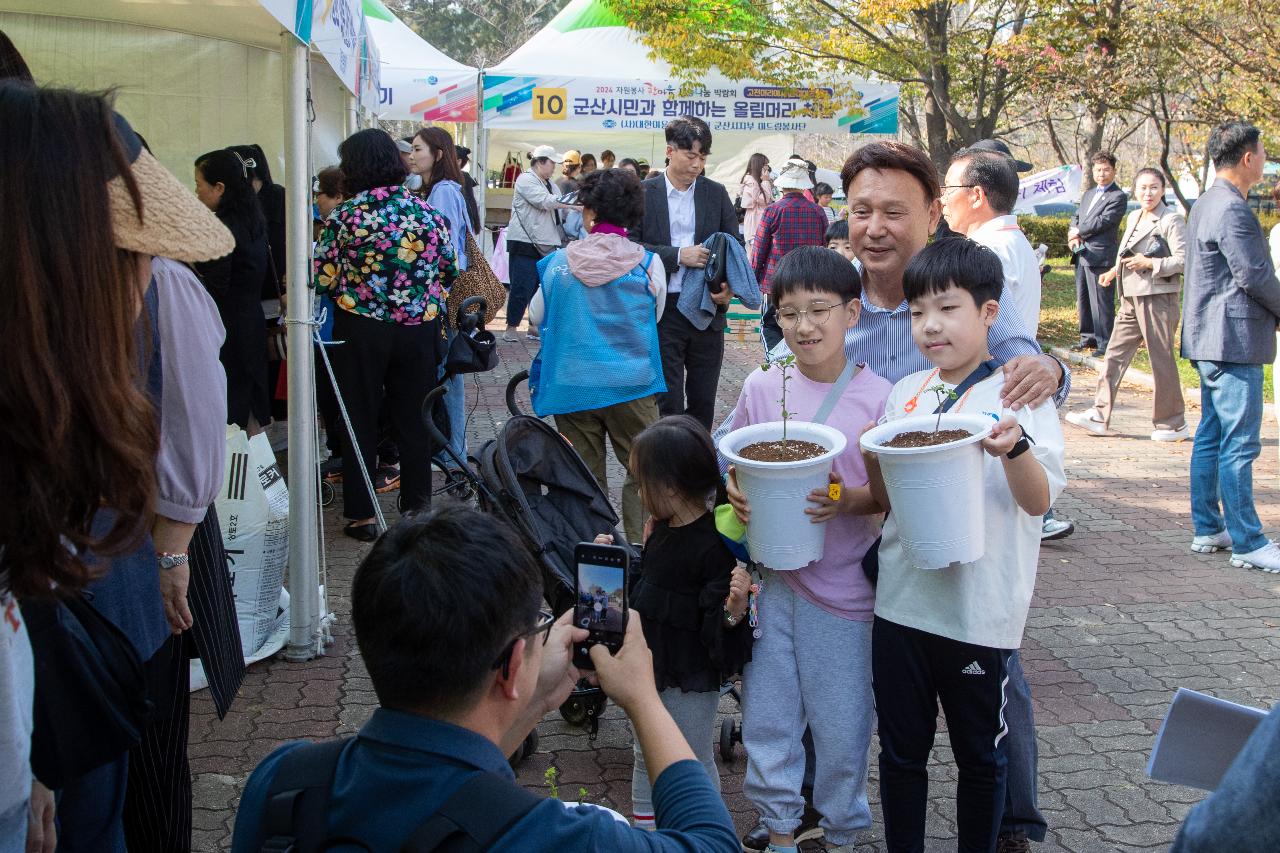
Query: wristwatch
pixel 171 561
pixel 1020 446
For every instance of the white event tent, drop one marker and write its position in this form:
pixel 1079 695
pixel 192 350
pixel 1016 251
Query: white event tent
pixel 587 81
pixel 193 77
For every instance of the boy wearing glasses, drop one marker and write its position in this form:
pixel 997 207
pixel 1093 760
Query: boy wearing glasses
pixel 811 662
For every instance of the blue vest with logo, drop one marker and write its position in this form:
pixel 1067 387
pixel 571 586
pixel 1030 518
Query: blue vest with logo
pixel 599 344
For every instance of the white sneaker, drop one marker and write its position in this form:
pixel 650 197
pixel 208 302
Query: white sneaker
pixel 1220 541
pixel 1266 558
pixel 1171 434
pixel 1090 420
pixel 1056 528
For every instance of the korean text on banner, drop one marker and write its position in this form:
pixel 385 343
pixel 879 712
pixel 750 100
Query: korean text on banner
pixel 1060 185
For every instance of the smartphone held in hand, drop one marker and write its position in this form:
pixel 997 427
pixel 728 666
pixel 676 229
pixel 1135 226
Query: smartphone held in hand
pixel 600 598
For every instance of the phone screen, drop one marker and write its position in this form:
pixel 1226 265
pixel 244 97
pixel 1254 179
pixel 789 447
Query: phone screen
pixel 600 605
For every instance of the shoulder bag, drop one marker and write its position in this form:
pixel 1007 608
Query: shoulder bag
pixel 477 279
pixel 91 699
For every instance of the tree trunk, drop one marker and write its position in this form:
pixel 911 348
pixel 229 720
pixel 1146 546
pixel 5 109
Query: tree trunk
pixel 1094 125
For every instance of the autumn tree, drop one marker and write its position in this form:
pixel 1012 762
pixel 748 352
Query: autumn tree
pixel 942 52
pixel 478 32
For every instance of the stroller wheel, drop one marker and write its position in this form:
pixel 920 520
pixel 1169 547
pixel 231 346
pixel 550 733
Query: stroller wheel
pixel 727 739
pixel 574 711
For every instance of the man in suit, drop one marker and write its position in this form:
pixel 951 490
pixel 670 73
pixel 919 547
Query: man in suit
pixel 681 210
pixel 1094 239
pixel 1231 307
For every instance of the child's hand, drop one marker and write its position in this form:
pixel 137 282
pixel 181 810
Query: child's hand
pixel 737 499
pixel 1003 437
pixel 827 506
pixel 604 539
pixel 739 586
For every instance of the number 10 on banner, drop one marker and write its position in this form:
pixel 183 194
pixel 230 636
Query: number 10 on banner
pixel 550 104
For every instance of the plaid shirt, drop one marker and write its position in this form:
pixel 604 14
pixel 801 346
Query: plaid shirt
pixel 789 222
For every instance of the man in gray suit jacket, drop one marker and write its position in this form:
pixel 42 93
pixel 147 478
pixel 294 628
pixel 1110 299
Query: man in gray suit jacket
pixel 681 210
pixel 1231 307
pixel 1094 238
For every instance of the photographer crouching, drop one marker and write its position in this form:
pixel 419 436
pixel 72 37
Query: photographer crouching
pixel 446 614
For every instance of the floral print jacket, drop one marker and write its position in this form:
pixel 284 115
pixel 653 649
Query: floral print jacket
pixel 385 253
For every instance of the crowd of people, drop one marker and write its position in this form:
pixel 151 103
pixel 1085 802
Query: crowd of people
pixel 117 445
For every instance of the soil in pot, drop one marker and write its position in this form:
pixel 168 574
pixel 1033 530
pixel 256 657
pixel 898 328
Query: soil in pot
pixel 917 438
pixel 782 451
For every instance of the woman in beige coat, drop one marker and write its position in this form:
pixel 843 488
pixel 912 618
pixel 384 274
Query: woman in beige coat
pixel 1149 272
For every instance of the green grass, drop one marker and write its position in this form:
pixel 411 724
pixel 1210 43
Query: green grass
pixel 1060 325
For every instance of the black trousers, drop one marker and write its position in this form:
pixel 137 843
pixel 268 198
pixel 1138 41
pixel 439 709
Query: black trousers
pixel 379 362
pixel 691 360
pixel 1096 305
pixel 157 806
pixel 911 670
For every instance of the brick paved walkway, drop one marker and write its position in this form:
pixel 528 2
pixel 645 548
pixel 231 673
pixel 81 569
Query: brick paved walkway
pixel 1124 614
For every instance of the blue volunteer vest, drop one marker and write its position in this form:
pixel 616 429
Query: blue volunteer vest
pixel 599 344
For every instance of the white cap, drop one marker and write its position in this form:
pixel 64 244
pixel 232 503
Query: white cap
pixel 405 146
pixel 794 176
pixel 546 151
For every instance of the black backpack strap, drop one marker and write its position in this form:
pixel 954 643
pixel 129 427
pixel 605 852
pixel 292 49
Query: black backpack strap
pixel 295 817
pixel 475 817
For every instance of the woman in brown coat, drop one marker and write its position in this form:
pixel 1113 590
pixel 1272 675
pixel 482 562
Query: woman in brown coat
pixel 1149 273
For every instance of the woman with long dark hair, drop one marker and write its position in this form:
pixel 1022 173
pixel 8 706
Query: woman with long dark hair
pixel 80 434
pixel 235 281
pixel 755 194
pixel 434 157
pixel 385 257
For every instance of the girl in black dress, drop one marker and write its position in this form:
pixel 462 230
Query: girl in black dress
pixel 692 595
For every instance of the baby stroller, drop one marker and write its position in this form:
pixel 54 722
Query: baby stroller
pixel 573 710
pixel 532 477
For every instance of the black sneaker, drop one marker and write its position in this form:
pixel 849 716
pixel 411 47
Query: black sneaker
pixel 758 838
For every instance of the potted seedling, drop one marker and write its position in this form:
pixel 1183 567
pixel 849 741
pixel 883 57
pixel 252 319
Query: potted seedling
pixel 551 776
pixel 932 470
pixel 778 464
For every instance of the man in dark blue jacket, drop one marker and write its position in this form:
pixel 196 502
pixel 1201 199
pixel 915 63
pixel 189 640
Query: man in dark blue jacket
pixel 1094 239
pixel 446 613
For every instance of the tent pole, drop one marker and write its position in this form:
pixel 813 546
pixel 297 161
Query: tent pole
pixel 304 579
pixel 481 152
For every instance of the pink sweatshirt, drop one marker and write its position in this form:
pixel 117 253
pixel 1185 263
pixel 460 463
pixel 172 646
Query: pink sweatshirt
pixel 836 582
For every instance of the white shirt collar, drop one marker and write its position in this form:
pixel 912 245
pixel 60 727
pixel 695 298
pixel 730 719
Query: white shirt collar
pixel 671 188
pixel 1008 222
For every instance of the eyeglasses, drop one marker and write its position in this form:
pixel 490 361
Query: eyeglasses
pixel 819 313
pixel 946 187
pixel 545 620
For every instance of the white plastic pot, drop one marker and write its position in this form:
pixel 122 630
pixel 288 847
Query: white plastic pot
pixel 779 534
pixel 935 492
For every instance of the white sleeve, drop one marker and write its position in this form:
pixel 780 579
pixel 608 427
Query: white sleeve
pixel 1042 427
pixel 658 283
pixel 536 308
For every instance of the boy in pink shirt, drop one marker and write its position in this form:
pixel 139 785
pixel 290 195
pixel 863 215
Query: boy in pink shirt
pixel 811 663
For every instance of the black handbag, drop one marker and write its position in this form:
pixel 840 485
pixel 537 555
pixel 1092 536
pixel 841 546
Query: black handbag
pixel 473 349
pixel 91 701
pixel 716 273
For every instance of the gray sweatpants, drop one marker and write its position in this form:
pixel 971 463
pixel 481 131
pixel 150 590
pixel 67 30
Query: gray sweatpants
pixel 695 716
pixel 808 668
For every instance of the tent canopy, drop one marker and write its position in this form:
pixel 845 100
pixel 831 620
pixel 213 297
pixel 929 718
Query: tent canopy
pixel 586 70
pixel 418 82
